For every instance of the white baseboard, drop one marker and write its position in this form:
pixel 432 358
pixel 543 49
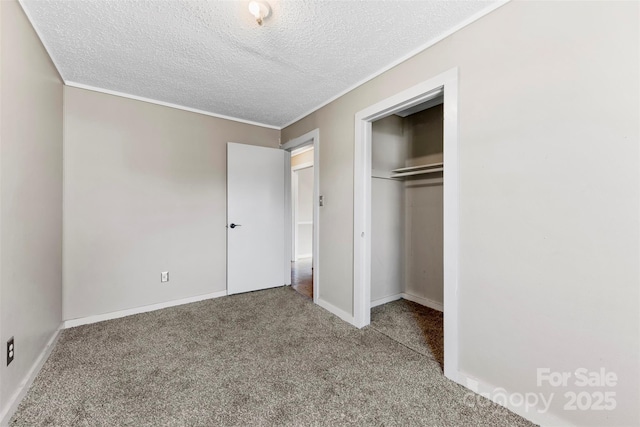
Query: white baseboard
pixel 424 301
pixel 304 256
pixel 144 309
pixel 347 317
pixel 503 398
pixel 23 387
pixel 385 300
pixel 418 300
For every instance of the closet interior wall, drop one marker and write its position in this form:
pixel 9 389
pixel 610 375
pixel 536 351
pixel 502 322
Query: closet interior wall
pixel 407 212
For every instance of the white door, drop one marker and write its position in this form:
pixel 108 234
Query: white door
pixel 255 218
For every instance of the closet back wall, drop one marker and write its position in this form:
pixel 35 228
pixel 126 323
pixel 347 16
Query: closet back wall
pixel 144 192
pixel 407 215
pixel 424 207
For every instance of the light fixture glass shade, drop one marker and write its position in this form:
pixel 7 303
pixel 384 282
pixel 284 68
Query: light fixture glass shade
pixel 259 9
pixel 254 8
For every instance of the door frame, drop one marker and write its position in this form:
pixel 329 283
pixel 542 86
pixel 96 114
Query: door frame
pixel 311 138
pixel 294 205
pixel 446 82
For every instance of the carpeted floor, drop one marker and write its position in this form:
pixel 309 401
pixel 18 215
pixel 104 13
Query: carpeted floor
pixel 418 327
pixel 263 358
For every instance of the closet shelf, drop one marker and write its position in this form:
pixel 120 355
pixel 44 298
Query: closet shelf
pixel 417 170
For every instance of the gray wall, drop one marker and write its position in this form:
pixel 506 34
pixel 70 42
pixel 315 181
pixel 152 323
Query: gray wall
pixel 145 192
pixel 425 136
pixel 424 207
pixel 30 197
pixel 549 192
pixel 388 152
pixel 301 158
pixel 423 210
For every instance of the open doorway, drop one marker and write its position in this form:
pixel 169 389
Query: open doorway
pixel 407 282
pixel 302 173
pixel 303 204
pixel 442 89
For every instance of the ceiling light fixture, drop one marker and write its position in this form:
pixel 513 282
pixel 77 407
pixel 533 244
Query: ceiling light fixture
pixel 260 10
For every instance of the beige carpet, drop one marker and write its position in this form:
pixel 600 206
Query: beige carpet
pixel 418 327
pixel 263 358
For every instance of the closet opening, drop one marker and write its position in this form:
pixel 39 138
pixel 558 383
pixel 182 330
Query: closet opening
pixel 407 283
pixel 406 251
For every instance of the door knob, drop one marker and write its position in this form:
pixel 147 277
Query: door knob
pixel 235 225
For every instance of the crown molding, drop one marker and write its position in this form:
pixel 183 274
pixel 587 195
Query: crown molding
pixel 168 104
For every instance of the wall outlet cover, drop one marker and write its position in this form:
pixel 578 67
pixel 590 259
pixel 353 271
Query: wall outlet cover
pixel 164 276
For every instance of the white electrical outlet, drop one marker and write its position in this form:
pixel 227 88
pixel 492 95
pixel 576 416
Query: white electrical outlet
pixel 164 276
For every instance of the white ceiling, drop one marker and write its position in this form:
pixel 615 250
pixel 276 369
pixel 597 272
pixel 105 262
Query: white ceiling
pixel 212 56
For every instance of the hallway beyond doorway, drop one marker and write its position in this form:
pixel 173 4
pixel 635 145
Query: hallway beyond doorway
pixel 302 277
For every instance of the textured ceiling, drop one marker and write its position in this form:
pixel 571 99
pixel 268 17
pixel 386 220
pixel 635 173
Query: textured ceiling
pixel 212 56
